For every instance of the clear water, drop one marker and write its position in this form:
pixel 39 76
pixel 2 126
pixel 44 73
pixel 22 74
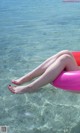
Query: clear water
pixel 30 32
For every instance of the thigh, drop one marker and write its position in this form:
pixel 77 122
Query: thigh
pixel 56 56
pixel 60 54
pixel 53 58
pixel 70 63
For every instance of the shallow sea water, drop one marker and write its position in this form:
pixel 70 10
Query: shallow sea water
pixel 30 32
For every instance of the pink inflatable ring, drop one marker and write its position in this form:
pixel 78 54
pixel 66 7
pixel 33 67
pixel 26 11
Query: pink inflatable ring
pixel 69 80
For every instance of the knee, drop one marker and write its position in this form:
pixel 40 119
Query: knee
pixel 65 58
pixel 67 52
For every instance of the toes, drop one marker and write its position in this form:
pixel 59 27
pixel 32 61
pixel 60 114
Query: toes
pixel 14 82
pixel 11 88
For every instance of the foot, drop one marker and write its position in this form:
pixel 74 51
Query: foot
pixel 20 81
pixel 19 89
pixel 17 82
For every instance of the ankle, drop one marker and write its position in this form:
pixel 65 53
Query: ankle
pixel 29 88
pixel 32 88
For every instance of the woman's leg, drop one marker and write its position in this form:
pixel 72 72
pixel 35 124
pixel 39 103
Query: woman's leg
pixel 51 73
pixel 40 69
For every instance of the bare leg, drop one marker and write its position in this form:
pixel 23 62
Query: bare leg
pixel 40 69
pixel 51 73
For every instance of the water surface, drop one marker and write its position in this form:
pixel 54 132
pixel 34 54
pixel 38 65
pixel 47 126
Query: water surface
pixel 30 32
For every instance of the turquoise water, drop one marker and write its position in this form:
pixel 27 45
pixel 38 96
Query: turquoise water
pixel 30 32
